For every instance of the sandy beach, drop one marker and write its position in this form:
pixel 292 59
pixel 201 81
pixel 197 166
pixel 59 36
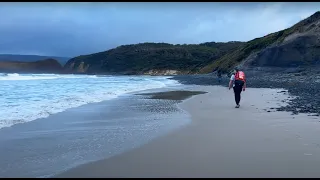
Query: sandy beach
pixel 223 141
pixel 48 146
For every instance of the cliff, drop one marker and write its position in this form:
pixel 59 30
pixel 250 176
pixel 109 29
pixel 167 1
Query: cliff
pixel 42 66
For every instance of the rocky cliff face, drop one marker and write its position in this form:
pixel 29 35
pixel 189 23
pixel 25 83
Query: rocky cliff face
pixel 43 66
pixel 168 72
pixel 296 46
pixel 299 48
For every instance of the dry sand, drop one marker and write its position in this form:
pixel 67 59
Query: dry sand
pixel 223 141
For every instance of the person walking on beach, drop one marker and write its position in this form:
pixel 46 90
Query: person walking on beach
pixel 238 82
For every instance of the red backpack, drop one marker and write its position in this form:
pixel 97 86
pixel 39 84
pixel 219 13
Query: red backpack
pixel 240 76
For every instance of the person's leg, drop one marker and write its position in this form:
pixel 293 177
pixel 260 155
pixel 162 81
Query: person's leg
pixel 235 90
pixel 237 93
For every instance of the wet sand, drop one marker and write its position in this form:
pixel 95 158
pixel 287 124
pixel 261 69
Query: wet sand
pixel 173 95
pixel 46 147
pixel 223 141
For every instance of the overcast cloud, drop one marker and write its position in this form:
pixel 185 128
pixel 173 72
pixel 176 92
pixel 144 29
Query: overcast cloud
pixel 72 29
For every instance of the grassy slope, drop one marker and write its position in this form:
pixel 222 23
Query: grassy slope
pixel 201 58
pixel 142 57
pixel 233 58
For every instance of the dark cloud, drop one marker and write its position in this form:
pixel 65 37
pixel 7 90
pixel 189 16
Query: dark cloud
pixel 71 29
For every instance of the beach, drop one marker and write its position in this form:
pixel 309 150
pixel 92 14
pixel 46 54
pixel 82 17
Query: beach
pixel 143 91
pixel 221 141
pixel 48 146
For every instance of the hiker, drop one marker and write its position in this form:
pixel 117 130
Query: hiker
pixel 219 74
pixel 238 82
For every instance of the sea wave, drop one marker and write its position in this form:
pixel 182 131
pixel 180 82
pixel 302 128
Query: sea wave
pixel 17 77
pixel 41 95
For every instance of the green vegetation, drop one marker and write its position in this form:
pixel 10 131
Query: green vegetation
pixel 233 58
pixel 140 58
pixel 193 58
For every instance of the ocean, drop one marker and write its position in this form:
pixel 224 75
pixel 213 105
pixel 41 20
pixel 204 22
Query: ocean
pixel 26 97
pixel 50 123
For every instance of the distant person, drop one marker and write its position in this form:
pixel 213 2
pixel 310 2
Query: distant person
pixel 219 74
pixel 238 82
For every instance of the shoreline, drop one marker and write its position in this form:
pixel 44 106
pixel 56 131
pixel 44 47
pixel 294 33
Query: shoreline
pixel 195 150
pixel 79 104
pixel 87 133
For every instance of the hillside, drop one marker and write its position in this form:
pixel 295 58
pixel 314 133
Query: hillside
pixel 151 58
pixel 296 46
pixel 42 66
pixel 31 58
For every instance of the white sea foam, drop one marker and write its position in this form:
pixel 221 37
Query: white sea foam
pixel 26 97
pixel 16 77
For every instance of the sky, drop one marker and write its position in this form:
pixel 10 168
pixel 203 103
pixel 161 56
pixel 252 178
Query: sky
pixel 70 29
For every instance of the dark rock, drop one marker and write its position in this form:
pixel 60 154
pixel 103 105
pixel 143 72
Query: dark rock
pixel 282 92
